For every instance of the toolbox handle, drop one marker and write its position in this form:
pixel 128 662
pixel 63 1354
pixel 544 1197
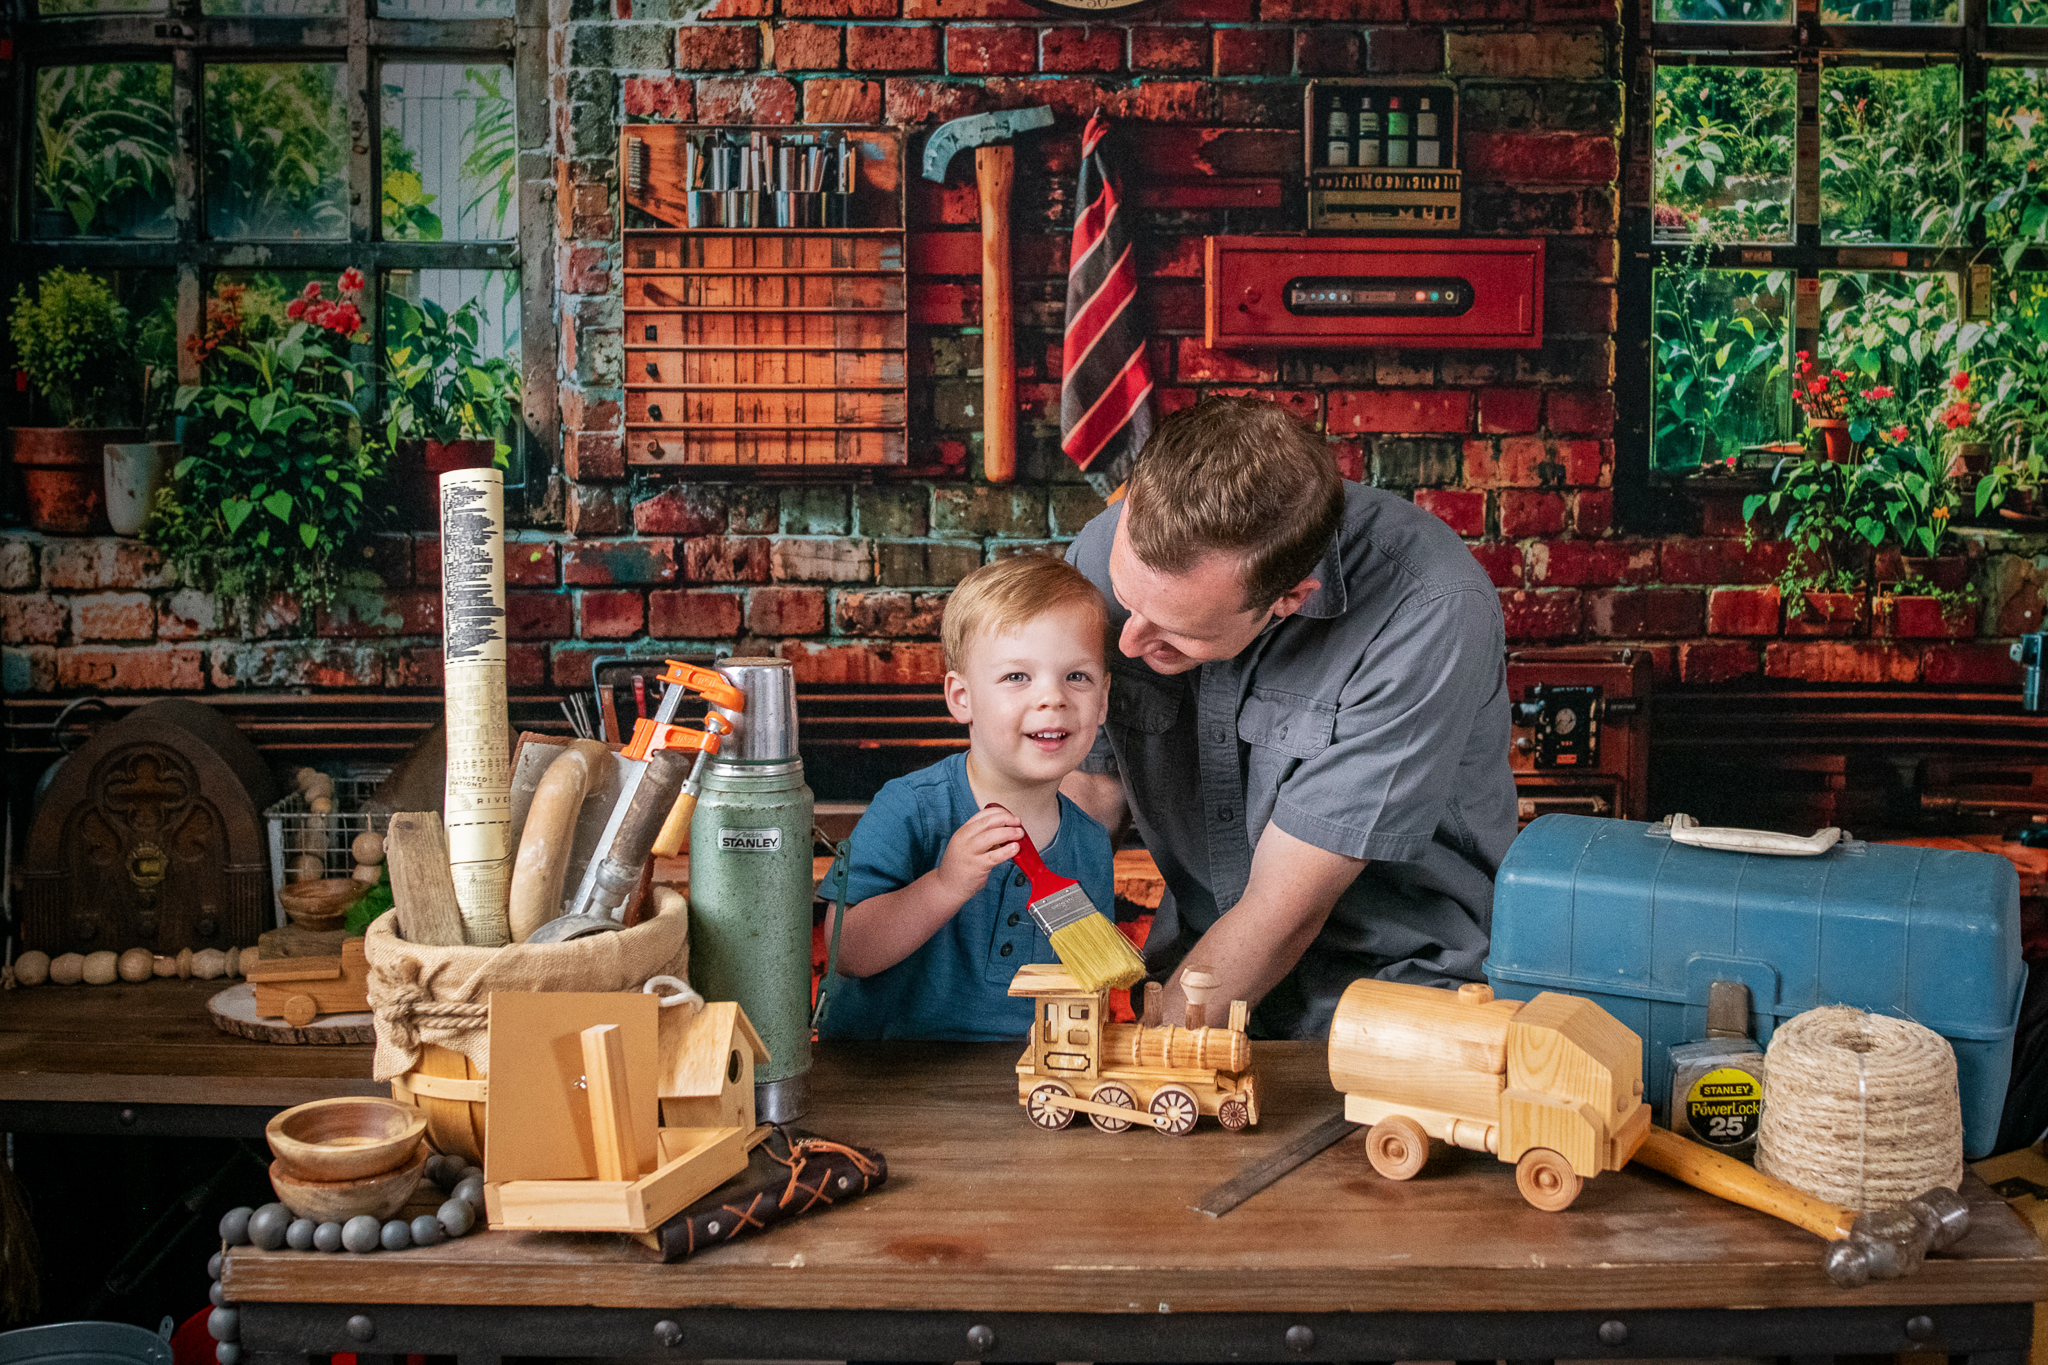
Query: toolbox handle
pixel 1686 830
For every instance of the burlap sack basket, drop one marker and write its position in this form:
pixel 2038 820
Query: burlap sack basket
pixel 432 1006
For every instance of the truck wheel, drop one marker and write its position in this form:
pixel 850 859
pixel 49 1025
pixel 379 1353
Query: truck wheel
pixel 1547 1180
pixel 1044 1114
pixel 1397 1147
pixel 1234 1114
pixel 1109 1092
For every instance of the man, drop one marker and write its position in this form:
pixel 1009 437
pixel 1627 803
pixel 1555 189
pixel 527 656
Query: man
pixel 1308 720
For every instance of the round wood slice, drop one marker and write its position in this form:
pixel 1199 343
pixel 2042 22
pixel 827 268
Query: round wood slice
pixel 234 1011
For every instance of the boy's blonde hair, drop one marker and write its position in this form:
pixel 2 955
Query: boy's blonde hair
pixel 998 598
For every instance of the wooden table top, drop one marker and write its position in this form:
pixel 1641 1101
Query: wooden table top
pixel 153 1043
pixel 984 1210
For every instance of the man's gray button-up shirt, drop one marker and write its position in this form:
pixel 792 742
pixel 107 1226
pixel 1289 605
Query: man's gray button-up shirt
pixel 1373 723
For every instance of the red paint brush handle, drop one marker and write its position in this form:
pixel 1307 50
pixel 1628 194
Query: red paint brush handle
pixel 1044 881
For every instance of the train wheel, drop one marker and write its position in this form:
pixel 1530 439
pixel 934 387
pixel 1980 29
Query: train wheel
pixel 1176 1109
pixel 1397 1147
pixel 1233 1113
pixel 1111 1093
pixel 1547 1180
pixel 1045 1114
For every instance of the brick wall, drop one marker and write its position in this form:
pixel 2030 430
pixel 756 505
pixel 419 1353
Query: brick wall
pixel 1514 450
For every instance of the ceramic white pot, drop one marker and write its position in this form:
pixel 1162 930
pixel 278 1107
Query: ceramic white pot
pixel 134 473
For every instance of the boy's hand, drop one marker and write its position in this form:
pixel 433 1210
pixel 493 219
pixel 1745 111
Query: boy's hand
pixel 976 849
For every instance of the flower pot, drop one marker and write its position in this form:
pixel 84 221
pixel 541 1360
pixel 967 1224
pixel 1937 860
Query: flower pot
pixel 416 470
pixel 1947 572
pixel 444 457
pixel 134 473
pixel 1834 432
pixel 1966 459
pixel 1830 613
pixel 63 475
pixel 1924 618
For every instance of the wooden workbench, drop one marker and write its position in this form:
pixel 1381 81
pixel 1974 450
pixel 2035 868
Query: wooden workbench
pixel 147 1059
pixel 1081 1245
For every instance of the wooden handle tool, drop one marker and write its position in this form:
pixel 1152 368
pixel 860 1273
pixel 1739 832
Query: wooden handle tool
pixel 995 170
pixel 1732 1180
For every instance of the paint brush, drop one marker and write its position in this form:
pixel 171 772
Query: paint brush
pixel 1088 945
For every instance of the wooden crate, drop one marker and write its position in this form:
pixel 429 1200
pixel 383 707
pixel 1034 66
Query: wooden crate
pixel 770 347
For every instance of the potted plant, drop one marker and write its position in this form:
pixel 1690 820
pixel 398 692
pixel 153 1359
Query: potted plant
pixel 1907 499
pixel 72 341
pixel 1968 445
pixel 450 407
pixel 135 470
pixel 1823 395
pixel 1824 581
pixel 278 484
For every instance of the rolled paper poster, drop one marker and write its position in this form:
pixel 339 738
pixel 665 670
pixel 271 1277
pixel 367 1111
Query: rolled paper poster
pixel 478 805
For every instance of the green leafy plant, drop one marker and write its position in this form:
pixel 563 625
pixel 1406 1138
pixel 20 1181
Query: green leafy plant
pixel 1902 496
pixel 1710 362
pixel 441 388
pixel 493 150
pixel 279 479
pixel 276 150
pixel 1821 504
pixel 72 340
pixel 103 152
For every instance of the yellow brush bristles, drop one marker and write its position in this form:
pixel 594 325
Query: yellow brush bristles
pixel 1099 957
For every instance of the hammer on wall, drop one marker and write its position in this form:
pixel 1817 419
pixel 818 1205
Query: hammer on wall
pixel 994 172
pixel 1881 1245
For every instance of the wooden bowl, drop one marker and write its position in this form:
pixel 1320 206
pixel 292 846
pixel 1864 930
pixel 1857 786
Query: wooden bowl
pixel 349 1138
pixel 336 1201
pixel 320 906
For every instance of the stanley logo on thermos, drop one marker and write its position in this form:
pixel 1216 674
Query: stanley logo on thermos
pixel 749 840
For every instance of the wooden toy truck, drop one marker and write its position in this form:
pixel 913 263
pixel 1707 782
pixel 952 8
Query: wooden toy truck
pixel 1554 1084
pixel 1079 1062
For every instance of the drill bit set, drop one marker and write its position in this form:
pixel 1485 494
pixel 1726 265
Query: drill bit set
pixel 763 180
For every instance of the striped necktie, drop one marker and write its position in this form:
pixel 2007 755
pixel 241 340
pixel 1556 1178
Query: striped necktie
pixel 1106 387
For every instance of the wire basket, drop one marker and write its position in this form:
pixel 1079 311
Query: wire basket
pixel 296 831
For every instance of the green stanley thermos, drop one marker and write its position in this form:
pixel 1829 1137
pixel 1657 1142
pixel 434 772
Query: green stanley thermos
pixel 750 882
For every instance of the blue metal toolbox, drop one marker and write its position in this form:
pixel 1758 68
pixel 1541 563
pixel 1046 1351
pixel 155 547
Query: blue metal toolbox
pixel 1644 920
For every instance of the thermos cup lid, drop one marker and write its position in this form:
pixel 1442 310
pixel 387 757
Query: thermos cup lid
pixel 766 731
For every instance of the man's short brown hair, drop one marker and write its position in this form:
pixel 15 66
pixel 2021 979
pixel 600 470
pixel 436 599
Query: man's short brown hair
pixel 1242 477
pixel 997 598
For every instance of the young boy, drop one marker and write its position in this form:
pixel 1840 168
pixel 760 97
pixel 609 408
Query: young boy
pixel 936 923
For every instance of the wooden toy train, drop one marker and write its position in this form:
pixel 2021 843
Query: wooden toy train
pixel 1553 1085
pixel 1080 1062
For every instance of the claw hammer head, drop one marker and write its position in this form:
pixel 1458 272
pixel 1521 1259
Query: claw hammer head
pixel 1888 1243
pixel 979 130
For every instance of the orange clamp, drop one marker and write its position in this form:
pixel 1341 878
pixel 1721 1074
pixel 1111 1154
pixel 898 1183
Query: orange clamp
pixel 715 686
pixel 650 737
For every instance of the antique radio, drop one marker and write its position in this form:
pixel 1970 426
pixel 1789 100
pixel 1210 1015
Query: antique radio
pixel 1581 719
pixel 151 836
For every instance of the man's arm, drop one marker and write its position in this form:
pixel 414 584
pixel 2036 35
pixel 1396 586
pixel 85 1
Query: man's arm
pixel 1102 796
pixel 1292 889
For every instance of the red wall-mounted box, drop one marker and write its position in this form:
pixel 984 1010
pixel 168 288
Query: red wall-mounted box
pixel 1271 293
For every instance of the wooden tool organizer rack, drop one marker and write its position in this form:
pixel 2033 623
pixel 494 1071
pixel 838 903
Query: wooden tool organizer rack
pixel 764 346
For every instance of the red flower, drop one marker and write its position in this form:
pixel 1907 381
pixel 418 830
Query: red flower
pixel 312 290
pixel 295 310
pixel 1802 355
pixel 1817 386
pixel 351 281
pixel 1959 382
pixel 1898 435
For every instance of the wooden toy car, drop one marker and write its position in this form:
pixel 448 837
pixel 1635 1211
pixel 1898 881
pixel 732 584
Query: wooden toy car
pixel 1554 1084
pixel 1080 1062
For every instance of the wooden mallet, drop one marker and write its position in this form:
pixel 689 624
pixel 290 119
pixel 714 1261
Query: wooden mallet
pixel 994 172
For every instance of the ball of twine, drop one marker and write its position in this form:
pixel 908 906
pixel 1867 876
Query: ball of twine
pixel 1860 1109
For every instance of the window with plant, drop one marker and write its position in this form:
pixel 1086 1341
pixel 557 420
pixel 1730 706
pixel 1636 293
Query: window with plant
pixel 1900 237
pixel 208 243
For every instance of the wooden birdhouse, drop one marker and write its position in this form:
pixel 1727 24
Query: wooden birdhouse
pixel 707 1067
